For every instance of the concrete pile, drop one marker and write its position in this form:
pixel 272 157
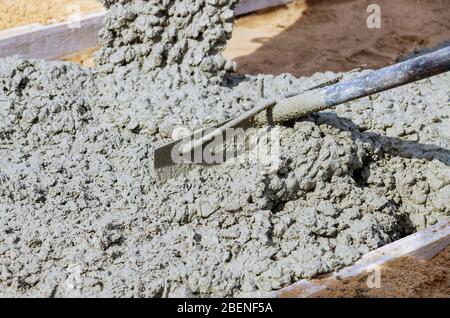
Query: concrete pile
pixel 81 213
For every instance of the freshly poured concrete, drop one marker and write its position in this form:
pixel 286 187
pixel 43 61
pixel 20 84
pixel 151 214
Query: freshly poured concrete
pixel 82 213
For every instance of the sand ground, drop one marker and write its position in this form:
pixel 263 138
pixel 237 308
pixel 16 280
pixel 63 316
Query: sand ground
pixel 330 35
pixel 300 38
pixel 304 38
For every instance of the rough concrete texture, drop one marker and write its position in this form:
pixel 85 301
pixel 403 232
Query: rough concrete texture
pixel 82 213
pixel 185 37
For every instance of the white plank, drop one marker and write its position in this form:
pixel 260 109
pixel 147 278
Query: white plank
pixel 60 39
pixel 248 6
pixel 428 243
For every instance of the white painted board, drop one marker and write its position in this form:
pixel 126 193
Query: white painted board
pixel 60 39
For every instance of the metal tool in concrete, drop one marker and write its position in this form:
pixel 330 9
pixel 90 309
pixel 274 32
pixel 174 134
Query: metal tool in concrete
pixel 167 163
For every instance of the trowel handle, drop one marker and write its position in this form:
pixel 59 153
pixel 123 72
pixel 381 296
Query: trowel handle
pixel 375 82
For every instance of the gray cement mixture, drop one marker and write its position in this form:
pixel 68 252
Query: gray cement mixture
pixel 81 213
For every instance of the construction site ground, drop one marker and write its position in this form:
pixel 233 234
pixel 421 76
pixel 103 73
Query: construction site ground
pixel 304 38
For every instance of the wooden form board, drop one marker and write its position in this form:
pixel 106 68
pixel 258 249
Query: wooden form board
pixel 423 245
pixel 60 39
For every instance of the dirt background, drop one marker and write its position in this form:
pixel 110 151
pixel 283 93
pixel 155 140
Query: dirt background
pixel 250 33
pixel 14 13
pixel 332 35
pixel 301 38
pixel 402 278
